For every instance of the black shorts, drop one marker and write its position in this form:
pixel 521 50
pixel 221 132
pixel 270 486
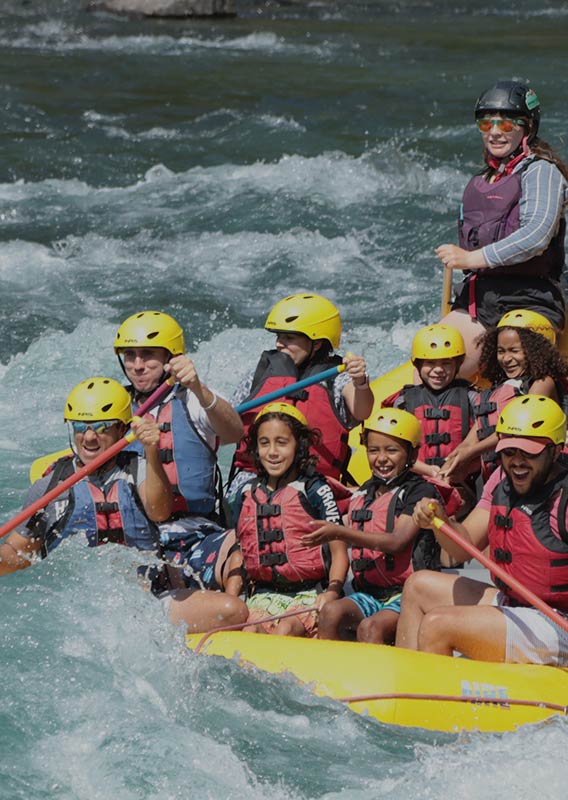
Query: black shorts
pixel 495 296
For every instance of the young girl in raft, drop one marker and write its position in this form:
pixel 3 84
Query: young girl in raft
pixel 518 357
pixel 273 512
pixel 386 545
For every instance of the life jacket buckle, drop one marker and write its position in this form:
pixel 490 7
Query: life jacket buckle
pixel 504 556
pixel 436 413
pixel 272 559
pixel 271 535
pixel 268 510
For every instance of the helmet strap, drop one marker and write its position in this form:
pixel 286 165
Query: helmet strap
pixel 397 479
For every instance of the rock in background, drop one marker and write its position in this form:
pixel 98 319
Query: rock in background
pixel 167 8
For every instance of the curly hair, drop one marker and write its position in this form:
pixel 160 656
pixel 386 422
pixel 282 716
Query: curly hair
pixel 543 359
pixel 305 438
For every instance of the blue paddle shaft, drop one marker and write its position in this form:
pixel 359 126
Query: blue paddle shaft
pixel 287 390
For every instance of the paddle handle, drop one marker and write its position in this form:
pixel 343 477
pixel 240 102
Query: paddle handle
pixel 286 390
pixel 446 291
pixel 513 583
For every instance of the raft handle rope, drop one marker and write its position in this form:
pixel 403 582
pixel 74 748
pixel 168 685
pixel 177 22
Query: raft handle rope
pixel 495 701
pixel 241 625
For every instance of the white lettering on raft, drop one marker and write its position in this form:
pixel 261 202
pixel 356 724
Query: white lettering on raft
pixel 485 690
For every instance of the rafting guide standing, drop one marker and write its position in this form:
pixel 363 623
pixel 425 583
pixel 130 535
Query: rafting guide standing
pixel 511 221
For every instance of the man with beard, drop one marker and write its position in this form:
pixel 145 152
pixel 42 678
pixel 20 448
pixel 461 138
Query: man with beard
pixel 522 517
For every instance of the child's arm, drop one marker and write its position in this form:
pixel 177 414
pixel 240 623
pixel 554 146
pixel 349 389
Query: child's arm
pixel 337 573
pixel 357 394
pixel 233 575
pixel 395 542
pixel 470 449
pixel 545 386
pixel 427 470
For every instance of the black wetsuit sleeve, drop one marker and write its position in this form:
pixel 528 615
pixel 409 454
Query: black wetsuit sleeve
pixel 416 492
pixel 320 497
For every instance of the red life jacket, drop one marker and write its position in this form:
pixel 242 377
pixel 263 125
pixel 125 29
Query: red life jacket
pixel 529 544
pixel 489 404
pixel 446 418
pixel 116 515
pixel 188 461
pixel 269 530
pixel 383 574
pixel 276 370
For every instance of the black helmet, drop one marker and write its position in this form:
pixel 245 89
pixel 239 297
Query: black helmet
pixel 512 99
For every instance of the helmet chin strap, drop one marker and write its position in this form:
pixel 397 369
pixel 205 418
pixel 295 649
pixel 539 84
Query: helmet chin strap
pixel 504 166
pixel 387 482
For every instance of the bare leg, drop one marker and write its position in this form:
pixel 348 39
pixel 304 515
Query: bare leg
pixel 426 590
pixel 380 628
pixel 289 627
pixel 470 330
pixel 204 610
pixel 478 632
pixel 339 619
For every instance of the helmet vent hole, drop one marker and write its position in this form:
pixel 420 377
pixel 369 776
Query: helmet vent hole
pixel 153 334
pixel 106 408
pixel 291 319
pixel 538 424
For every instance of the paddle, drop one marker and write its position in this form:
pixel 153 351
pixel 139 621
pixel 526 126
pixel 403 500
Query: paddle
pixel 447 291
pixel 286 390
pixel 129 437
pixel 97 462
pixel 513 583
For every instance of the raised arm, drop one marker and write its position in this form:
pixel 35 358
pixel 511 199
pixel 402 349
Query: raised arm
pixel 155 491
pixel 221 415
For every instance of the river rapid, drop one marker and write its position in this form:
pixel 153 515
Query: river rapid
pixel 209 168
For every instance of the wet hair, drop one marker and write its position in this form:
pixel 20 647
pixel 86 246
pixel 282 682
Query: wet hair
pixel 543 150
pixel 305 438
pixel 543 359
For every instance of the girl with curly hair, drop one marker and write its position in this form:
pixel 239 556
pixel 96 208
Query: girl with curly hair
pixel 518 357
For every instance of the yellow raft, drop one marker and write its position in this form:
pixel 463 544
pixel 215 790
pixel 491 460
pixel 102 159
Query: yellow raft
pixel 401 687
pixel 396 686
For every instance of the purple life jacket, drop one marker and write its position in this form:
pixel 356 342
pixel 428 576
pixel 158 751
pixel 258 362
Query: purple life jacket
pixel 490 212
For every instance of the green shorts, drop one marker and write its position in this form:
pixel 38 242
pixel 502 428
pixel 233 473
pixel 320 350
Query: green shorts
pixel 268 604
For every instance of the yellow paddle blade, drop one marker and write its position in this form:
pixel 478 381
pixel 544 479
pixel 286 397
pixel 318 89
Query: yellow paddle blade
pixel 39 466
pixel 382 388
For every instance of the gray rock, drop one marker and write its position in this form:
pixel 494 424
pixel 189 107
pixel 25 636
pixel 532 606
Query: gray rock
pixel 167 8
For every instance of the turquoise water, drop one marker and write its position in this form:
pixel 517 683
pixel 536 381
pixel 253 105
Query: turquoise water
pixel 208 169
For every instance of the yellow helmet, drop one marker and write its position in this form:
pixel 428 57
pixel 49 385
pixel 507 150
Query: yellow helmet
pixel 96 399
pixel 282 408
pixel 395 422
pixel 531 415
pixel 150 329
pixel 524 318
pixel 437 341
pixel 310 314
